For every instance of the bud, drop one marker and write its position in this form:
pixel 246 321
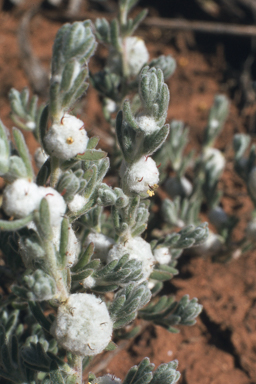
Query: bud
pixel 218 217
pixel 83 325
pixel 176 186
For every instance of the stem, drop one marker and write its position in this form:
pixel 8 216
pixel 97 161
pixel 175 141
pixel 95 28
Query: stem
pixel 78 368
pixel 55 272
pixel 55 171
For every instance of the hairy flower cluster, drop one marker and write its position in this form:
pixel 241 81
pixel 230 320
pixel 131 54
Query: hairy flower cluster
pixel 22 197
pixel 66 139
pixel 140 178
pixel 83 325
pixel 162 255
pixel 138 249
pixel 135 53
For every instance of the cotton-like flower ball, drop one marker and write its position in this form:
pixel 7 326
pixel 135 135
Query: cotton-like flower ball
pixel 56 203
pixel 141 178
pixel 66 139
pixel 218 217
pixel 138 249
pixel 211 246
pixel 147 124
pixel 89 282
pixel 83 325
pixel 178 187
pixel 215 160
pixel 102 245
pixel 40 157
pixel 162 255
pixel 20 198
pixel 107 379
pixel 135 53
pixel 77 203
pixel 252 182
pixel 251 231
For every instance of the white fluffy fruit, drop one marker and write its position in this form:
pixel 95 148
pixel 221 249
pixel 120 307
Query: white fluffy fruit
pixel 77 203
pixel 138 249
pixel 102 245
pixel 20 198
pixel 56 203
pixel 162 255
pixel 135 54
pixel 66 139
pixel 83 325
pixel 140 178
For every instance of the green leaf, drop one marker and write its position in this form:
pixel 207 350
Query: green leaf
pixel 91 155
pixel 39 316
pixel 84 258
pixel 160 275
pixel 15 224
pixel 23 151
pixel 93 142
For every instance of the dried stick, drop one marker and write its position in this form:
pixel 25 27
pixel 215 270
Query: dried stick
pixel 201 26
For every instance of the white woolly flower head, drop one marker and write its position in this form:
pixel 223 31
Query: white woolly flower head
pixel 135 53
pixel 40 157
pixel 147 124
pixel 162 255
pixel 107 379
pixel 20 198
pixel 83 325
pixel 89 282
pixel 66 139
pixel 140 178
pixel 56 203
pixel 138 249
pixel 77 203
pixel 178 187
pixel 102 245
pixel 214 159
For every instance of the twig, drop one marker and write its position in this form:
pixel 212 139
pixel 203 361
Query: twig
pixel 36 74
pixel 202 26
pixel 175 24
